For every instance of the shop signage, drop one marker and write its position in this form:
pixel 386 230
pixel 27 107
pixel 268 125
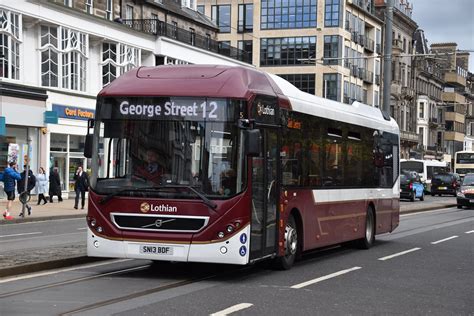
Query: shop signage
pixel 3 126
pixel 72 112
pixel 51 117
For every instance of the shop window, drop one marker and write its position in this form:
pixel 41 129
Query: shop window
pixel 58 142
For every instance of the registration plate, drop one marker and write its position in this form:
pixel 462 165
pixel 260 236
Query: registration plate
pixel 442 188
pixel 156 250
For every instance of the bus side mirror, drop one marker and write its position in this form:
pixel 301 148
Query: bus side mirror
pixel 252 142
pixel 88 143
pixel 88 146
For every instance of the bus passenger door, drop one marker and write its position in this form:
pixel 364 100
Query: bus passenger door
pixel 265 194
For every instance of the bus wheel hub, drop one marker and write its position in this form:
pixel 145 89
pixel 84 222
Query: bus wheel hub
pixel 291 240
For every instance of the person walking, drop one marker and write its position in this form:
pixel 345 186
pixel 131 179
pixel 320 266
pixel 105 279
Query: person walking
pixel 54 185
pixel 25 192
pixel 10 176
pixel 81 185
pixel 41 185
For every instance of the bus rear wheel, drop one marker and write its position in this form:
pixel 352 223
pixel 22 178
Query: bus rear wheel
pixel 291 246
pixel 369 236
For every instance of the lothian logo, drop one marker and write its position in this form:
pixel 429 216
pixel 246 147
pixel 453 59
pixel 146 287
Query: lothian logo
pixel 146 207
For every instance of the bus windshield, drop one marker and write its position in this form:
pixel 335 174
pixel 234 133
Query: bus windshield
pixel 190 147
pixel 412 166
pixel 465 158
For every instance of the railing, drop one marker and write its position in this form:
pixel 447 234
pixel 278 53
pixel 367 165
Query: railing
pixel 355 36
pixel 378 48
pixel 377 79
pixel 160 28
pixel 354 70
pixel 369 44
pixel 366 75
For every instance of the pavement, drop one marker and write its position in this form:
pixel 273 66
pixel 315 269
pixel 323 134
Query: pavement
pixel 32 260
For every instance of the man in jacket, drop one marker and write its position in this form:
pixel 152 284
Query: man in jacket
pixel 26 192
pixel 11 175
pixel 81 185
pixel 55 185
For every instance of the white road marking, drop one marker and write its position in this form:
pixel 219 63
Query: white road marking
pixel 232 309
pixel 443 240
pixel 42 237
pixel 469 232
pixel 55 271
pixel 426 212
pixel 399 254
pixel 82 228
pixel 323 278
pixel 22 234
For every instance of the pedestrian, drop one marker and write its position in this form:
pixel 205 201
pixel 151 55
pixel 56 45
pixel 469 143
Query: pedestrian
pixel 41 185
pixel 25 192
pixel 54 185
pixel 10 176
pixel 81 185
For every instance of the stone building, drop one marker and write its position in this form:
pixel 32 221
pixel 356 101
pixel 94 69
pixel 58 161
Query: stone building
pixel 402 92
pixel 325 47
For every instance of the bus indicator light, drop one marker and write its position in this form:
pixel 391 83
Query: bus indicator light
pixel 223 250
pixel 220 235
pixel 230 229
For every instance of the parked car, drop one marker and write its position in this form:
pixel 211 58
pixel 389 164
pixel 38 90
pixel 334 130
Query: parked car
pixel 445 183
pixel 465 195
pixel 411 186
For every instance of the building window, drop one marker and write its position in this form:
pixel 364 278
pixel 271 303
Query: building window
pixel 331 50
pixel 10 35
pixel 247 47
pixel 63 58
pixel 304 82
pixel 421 111
pixel 201 9
pixel 332 87
pixel 224 48
pixel 192 34
pixel 128 12
pixel 154 23
pixel 89 6
pixel 287 51
pixel 174 29
pixel 245 18
pixel 277 14
pixel 68 3
pixel 117 59
pixel 331 13
pixel 220 14
pixel 108 10
pixel 376 99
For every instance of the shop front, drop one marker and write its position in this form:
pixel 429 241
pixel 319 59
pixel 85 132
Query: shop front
pixel 67 139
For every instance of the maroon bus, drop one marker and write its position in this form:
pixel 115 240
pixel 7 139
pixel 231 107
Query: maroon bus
pixel 221 164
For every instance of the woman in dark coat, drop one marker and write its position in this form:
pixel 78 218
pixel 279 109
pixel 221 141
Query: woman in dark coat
pixel 54 185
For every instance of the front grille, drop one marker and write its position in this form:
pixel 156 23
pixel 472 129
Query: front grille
pixel 159 223
pixel 469 195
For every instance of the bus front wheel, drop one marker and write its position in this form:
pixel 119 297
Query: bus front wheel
pixel 291 246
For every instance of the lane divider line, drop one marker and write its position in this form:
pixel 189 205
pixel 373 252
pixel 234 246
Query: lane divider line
pixel 469 232
pixel 232 309
pixel 22 234
pixel 323 278
pixel 443 240
pixel 398 254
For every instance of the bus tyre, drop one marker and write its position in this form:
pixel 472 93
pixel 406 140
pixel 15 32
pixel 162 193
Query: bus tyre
pixel 459 206
pixel 291 246
pixel 369 236
pixel 422 198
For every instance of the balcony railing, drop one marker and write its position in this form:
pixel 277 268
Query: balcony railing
pixel 366 75
pixel 377 79
pixel 369 44
pixel 378 48
pixel 160 28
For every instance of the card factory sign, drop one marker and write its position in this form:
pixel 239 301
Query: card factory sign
pixel 72 112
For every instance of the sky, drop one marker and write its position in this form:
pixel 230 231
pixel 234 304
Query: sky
pixel 446 21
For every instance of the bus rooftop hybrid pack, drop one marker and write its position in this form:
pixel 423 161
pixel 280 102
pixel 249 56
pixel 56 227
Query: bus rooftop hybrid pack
pixel 224 164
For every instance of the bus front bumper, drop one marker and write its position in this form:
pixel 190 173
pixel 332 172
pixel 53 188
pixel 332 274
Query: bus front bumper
pixel 234 250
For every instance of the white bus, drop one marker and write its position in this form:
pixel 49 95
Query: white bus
pixel 425 168
pixel 464 162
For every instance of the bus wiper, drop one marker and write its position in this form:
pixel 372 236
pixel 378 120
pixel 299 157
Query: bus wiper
pixel 190 188
pixel 107 198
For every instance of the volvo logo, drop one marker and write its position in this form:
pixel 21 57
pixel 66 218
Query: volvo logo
pixel 144 207
pixel 158 223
